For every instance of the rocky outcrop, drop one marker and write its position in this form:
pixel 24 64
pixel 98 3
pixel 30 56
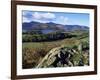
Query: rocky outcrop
pixel 64 57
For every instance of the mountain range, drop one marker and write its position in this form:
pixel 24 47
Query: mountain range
pixel 51 26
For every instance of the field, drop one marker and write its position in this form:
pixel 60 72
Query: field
pixel 35 52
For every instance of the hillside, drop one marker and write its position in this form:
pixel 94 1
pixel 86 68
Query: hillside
pixel 51 27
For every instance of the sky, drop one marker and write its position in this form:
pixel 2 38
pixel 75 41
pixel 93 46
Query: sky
pixel 65 18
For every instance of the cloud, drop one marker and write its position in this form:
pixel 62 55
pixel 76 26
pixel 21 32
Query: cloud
pixel 27 14
pixel 43 16
pixel 63 19
pixel 36 15
pixel 48 15
pixel 26 19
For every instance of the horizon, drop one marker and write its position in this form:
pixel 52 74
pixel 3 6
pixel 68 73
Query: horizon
pixel 64 18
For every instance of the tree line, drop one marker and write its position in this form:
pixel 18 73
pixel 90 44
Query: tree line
pixel 45 37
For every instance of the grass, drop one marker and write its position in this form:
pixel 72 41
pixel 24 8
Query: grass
pixel 67 42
